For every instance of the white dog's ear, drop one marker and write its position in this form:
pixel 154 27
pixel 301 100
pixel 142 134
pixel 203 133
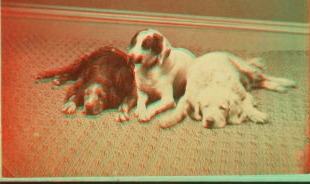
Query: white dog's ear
pixel 164 54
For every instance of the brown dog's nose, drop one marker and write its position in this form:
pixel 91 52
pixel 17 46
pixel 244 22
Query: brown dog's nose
pixel 89 106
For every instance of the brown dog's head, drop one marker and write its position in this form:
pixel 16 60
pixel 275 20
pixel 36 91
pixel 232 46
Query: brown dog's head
pixel 215 104
pixel 148 47
pixel 95 100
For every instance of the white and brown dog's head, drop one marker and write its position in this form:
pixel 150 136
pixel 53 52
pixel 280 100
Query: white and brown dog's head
pixel 148 47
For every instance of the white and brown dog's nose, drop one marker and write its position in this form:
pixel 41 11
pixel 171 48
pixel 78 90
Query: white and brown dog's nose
pixel 134 59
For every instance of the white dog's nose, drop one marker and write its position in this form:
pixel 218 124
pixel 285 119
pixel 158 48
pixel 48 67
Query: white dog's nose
pixel 209 122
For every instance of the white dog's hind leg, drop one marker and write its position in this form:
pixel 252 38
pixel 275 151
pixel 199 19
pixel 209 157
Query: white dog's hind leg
pixel 171 120
pixel 277 84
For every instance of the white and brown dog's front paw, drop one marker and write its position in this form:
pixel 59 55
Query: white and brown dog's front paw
pixel 142 115
pixel 171 120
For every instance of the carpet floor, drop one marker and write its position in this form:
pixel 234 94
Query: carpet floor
pixel 37 141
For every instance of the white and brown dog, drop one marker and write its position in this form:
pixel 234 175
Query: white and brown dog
pixel 215 90
pixel 160 70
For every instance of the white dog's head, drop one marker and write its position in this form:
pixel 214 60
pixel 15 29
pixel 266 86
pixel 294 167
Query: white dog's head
pixel 148 47
pixel 215 104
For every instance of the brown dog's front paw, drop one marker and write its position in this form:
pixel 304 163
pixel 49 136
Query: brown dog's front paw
pixel 69 109
pixel 122 117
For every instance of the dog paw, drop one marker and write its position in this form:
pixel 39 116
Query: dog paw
pixel 142 116
pixel 196 116
pixel 258 117
pixel 123 114
pixel 286 83
pixel 122 117
pixel 69 109
pixel 164 125
pixel 56 84
pixel 167 122
pixel 237 120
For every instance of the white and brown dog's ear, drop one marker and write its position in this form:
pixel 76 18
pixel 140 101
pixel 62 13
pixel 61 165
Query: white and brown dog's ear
pixel 160 48
pixel 133 41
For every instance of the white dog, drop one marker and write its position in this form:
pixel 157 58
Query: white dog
pixel 215 90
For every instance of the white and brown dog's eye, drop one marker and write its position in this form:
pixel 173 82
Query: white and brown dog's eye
pixel 147 43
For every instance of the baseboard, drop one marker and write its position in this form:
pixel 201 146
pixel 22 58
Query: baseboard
pixel 144 18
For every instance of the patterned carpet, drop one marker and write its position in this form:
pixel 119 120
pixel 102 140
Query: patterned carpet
pixel 37 141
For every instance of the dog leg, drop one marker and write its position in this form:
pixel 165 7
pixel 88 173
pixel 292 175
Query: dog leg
pixel 276 84
pixel 73 100
pixel 70 107
pixel 140 112
pixel 125 107
pixel 247 68
pixel 173 119
pixel 162 105
pixel 251 112
pixel 236 115
pixel 195 114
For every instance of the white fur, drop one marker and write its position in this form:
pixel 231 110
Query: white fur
pixel 215 91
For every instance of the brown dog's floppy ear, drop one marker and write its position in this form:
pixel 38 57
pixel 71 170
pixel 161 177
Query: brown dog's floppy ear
pixel 165 53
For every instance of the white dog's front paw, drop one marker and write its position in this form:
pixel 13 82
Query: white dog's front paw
pixel 236 118
pixel 195 116
pixel 258 117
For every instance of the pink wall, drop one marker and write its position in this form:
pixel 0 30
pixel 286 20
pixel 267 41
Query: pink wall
pixel 274 10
